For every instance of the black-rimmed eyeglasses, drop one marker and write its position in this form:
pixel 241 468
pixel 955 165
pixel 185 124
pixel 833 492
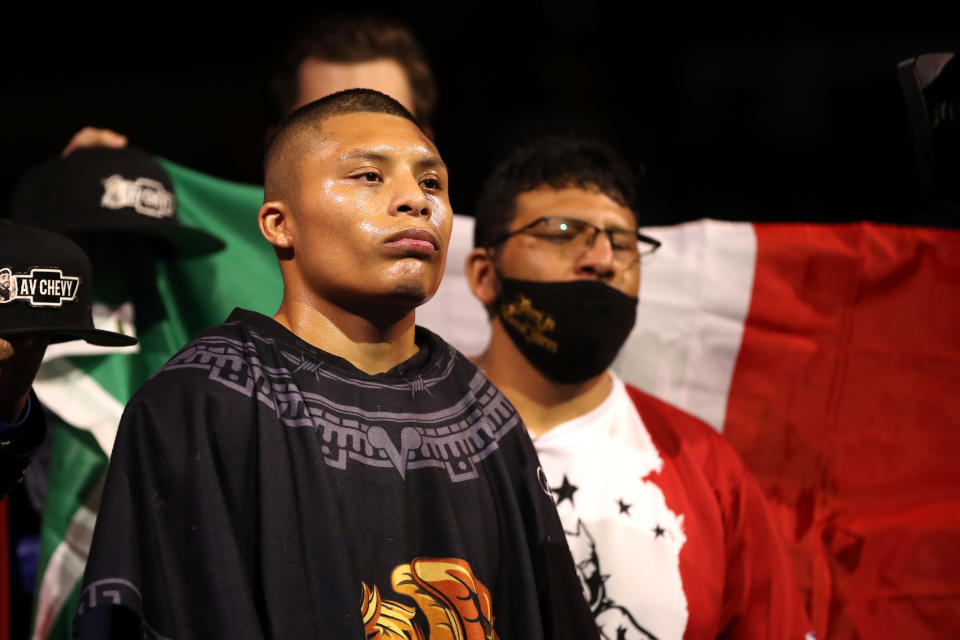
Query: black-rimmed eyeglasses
pixel 575 236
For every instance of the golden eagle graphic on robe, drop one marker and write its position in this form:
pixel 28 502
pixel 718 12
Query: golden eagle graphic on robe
pixel 455 604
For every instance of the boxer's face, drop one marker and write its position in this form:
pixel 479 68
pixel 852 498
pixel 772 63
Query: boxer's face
pixel 371 216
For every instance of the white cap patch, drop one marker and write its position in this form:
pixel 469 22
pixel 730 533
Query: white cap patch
pixel 45 287
pixel 146 196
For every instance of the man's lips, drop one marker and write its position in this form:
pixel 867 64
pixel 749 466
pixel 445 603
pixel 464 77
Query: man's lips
pixel 414 240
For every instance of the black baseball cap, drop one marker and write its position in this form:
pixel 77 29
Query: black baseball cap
pixel 95 191
pixel 46 287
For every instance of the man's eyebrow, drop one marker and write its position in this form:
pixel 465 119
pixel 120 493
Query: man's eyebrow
pixel 430 161
pixel 363 154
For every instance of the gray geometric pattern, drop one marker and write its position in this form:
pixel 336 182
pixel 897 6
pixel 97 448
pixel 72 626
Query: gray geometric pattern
pixel 454 438
pixel 116 592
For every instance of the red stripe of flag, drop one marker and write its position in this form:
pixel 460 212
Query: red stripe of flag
pixel 845 404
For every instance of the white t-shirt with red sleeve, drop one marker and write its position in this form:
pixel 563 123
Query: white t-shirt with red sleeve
pixel 670 533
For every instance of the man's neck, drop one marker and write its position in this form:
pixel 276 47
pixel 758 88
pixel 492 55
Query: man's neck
pixel 372 347
pixel 542 403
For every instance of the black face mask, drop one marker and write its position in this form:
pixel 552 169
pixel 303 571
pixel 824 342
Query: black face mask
pixel 570 331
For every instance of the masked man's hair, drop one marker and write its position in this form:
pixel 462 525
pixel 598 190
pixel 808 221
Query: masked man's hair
pixel 557 163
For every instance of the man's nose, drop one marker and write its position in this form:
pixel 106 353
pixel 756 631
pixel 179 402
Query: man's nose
pixel 409 197
pixel 597 260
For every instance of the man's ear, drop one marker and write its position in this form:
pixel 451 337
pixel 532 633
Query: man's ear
pixel 481 276
pixel 276 224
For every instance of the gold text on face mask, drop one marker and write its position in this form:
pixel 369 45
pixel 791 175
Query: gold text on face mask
pixel 531 323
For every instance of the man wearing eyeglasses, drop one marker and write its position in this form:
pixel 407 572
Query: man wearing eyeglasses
pixel 670 533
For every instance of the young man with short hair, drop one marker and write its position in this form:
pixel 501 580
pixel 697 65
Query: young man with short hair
pixel 669 531
pixel 333 471
pixel 343 52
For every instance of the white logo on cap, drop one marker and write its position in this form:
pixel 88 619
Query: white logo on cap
pixel 42 287
pixel 146 196
pixel 8 285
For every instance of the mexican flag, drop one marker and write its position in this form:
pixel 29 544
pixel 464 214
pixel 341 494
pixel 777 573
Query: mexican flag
pixel 829 355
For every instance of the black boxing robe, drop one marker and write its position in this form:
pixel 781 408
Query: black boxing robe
pixel 262 488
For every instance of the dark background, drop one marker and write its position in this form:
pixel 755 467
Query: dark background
pixel 742 116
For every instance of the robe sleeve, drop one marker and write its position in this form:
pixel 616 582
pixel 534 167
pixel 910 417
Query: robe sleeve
pixel 174 544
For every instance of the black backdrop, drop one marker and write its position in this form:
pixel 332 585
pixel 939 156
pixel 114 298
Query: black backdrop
pixel 744 116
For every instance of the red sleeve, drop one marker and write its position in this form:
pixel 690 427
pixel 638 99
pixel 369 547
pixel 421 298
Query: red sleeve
pixel 759 596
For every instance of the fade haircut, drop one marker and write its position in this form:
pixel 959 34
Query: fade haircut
pixel 345 39
pixel 304 125
pixel 557 163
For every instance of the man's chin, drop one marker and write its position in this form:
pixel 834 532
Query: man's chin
pixel 410 287
pixel 409 295
pixel 392 303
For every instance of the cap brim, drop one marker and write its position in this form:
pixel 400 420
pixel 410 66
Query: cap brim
pixel 98 337
pixel 186 242
pixel 182 242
